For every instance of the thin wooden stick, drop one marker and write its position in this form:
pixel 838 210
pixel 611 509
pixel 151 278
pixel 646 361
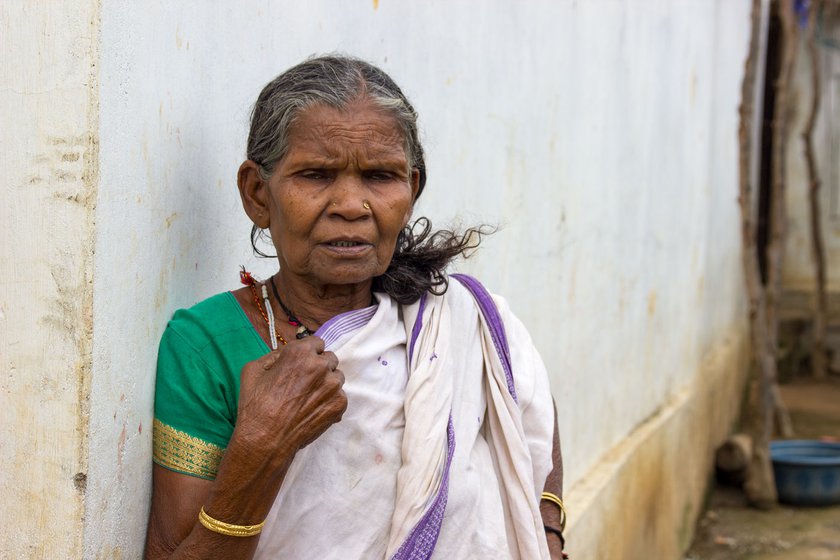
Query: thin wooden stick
pixel 778 208
pixel 819 360
pixel 778 212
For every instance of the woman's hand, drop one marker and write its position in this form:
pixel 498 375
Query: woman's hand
pixel 288 398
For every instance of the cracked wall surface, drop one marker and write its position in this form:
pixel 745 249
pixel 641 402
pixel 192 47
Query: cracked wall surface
pixel 48 173
pixel 601 139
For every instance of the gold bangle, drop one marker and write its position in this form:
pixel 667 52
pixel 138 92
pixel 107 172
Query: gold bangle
pixel 556 500
pixel 229 529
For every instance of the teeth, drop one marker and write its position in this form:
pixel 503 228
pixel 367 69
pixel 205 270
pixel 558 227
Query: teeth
pixel 344 244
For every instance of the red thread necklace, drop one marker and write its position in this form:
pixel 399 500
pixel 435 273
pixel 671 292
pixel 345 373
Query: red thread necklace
pixel 248 280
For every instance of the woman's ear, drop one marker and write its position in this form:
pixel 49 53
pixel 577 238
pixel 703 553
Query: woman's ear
pixel 415 188
pixel 254 193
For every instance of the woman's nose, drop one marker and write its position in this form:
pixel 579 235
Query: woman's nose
pixel 348 198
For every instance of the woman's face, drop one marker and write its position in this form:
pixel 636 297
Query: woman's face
pixel 340 196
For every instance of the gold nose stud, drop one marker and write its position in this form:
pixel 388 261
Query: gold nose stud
pixel 366 205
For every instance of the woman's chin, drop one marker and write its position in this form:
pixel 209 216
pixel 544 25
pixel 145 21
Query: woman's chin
pixel 348 274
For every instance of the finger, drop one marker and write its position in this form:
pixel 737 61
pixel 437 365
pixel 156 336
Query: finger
pixel 329 385
pixel 342 395
pixel 267 362
pixel 332 360
pixel 339 375
pixel 315 342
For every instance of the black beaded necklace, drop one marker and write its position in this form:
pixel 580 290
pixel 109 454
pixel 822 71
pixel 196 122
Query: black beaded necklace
pixel 302 331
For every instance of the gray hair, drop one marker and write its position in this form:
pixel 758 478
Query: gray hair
pixel 421 254
pixel 335 81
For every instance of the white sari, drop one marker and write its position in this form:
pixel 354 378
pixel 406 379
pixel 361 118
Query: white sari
pixel 440 454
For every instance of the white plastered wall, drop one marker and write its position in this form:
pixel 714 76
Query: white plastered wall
pixel 48 182
pixel 600 135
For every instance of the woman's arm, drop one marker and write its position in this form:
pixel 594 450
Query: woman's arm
pixel 295 391
pixel 174 530
pixel 175 499
pixel 554 484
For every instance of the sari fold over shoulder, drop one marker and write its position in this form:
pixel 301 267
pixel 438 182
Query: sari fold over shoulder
pixel 442 452
pixel 429 438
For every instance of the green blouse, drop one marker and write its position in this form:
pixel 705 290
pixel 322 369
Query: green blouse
pixel 201 355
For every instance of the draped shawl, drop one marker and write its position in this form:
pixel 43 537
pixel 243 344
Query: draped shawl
pixel 444 448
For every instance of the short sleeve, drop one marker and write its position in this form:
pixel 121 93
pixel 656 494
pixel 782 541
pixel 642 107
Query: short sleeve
pixel 193 420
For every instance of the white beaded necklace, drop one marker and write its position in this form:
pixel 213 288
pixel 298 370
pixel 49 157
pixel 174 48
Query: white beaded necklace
pixel 270 312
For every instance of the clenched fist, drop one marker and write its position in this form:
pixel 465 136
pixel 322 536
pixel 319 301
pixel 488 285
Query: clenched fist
pixel 288 398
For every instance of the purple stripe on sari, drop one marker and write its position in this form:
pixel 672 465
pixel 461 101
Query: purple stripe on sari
pixel 494 322
pixel 343 323
pixel 418 325
pixel 422 540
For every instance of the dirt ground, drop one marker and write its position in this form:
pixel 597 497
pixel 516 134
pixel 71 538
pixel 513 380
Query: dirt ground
pixel 729 530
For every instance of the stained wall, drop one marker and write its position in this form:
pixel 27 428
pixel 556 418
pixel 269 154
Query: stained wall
pixel 48 180
pixel 599 136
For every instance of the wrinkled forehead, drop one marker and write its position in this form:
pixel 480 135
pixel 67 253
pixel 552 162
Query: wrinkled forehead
pixel 361 126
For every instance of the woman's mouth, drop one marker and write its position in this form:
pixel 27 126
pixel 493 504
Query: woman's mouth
pixel 348 248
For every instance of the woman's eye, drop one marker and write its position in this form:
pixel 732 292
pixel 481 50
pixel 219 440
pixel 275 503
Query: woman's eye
pixel 314 174
pixel 380 175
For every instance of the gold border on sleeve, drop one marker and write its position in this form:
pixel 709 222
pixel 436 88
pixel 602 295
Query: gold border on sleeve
pixel 182 452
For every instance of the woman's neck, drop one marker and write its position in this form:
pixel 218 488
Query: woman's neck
pixel 315 305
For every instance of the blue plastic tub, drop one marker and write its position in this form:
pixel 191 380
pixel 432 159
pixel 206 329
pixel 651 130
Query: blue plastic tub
pixel 807 472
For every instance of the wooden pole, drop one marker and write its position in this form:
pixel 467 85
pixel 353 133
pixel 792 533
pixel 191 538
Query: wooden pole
pixel 778 210
pixel 760 485
pixel 819 361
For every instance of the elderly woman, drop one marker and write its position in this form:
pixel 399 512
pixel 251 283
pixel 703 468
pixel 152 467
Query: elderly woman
pixel 359 403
